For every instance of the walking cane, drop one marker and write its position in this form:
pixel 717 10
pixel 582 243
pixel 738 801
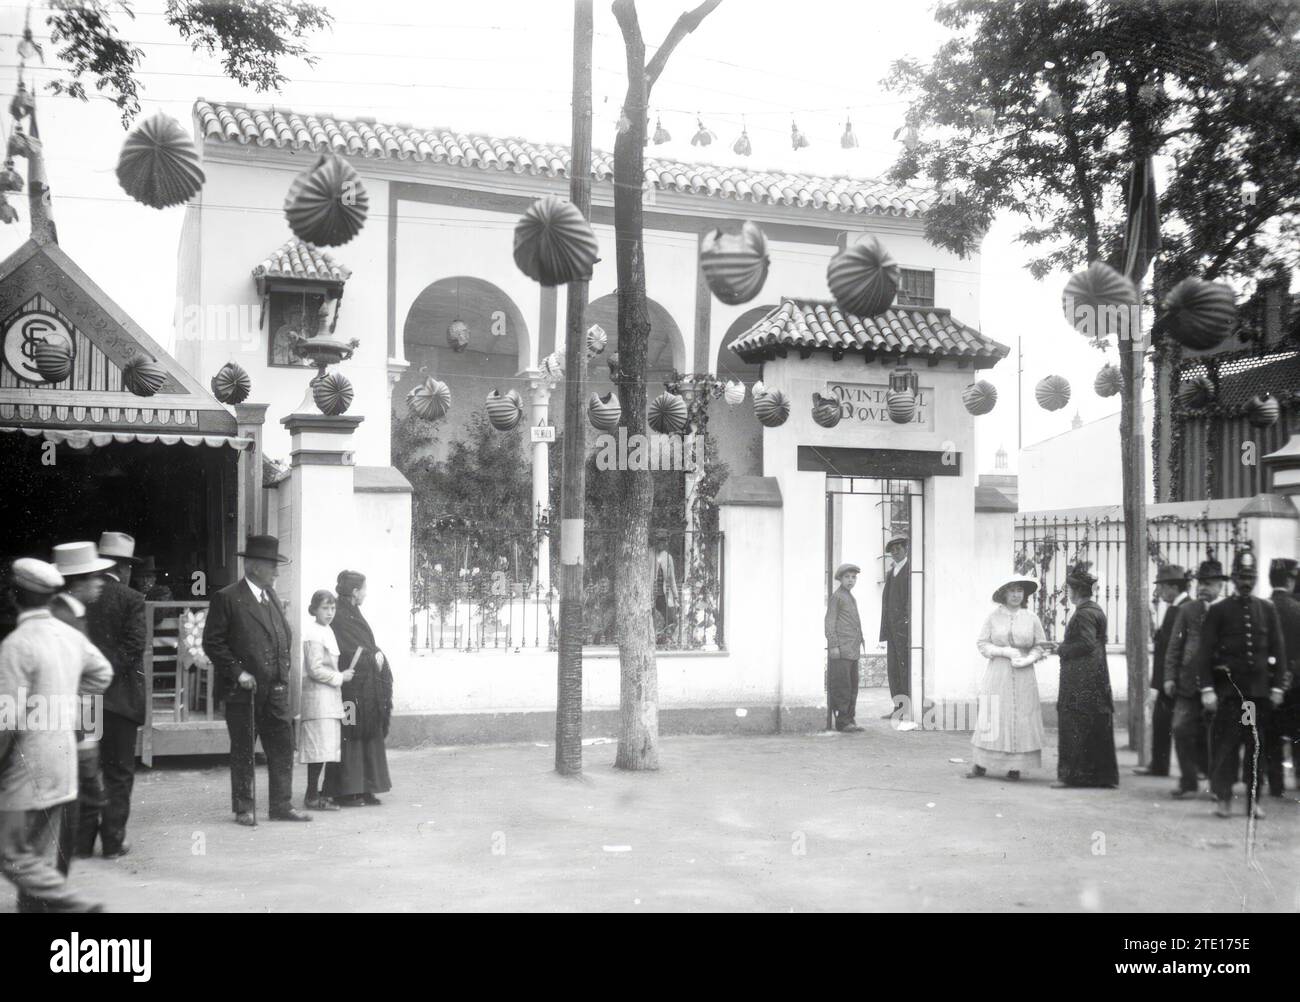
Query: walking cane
pixel 252 745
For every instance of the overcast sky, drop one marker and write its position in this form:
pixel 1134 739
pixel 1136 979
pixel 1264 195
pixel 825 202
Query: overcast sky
pixel 504 67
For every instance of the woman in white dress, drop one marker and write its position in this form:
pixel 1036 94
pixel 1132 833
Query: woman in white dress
pixel 320 738
pixel 1009 735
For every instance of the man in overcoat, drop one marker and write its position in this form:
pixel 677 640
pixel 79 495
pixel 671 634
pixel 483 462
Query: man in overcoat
pixel 1171 582
pixel 1282 576
pixel 1191 730
pixel 843 648
pixel 896 619
pixel 248 639
pixel 1241 664
pixel 116 626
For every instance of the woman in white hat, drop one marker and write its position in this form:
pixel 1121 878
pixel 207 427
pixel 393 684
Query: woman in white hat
pixel 1009 735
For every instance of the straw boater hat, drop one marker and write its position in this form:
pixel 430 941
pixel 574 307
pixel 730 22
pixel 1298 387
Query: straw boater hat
pixel 1210 570
pixel 35 576
pixel 119 546
pixel 1172 574
pixel 79 559
pixel 843 569
pixel 1028 584
pixel 262 548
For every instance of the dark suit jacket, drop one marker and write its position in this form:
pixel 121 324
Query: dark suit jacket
pixel 1162 642
pixel 1180 655
pixel 115 624
pixel 895 605
pixel 238 636
pixel 843 626
pixel 1288 613
pixel 1243 637
pixel 64 613
pixel 1085 679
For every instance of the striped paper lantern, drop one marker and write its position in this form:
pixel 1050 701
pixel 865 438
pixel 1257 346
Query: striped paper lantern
pixel 1200 314
pixel 668 414
pixel 604 412
pixel 431 399
pixel 53 360
pixel 504 411
pixel 980 397
pixel 771 407
pixel 332 393
pixel 901 405
pixel 231 384
pixel 326 205
pixel 1108 381
pixel 734 392
pixel 826 411
pixel 1196 393
pixel 159 163
pixel 143 376
pixel 554 243
pixel 735 264
pixel 863 278
pixel 1052 392
pixel 1098 301
pixel 1262 411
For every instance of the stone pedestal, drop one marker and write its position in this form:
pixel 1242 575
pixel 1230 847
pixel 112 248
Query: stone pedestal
pixel 252 509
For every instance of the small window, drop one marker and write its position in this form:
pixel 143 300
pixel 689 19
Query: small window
pixel 291 311
pixel 915 287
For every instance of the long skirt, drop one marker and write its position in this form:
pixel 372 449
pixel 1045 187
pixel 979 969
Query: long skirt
pixel 1009 734
pixel 320 739
pixel 1087 749
pixel 362 768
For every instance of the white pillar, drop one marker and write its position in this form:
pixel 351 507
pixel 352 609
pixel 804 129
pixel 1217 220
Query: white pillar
pixel 541 386
pixel 1271 521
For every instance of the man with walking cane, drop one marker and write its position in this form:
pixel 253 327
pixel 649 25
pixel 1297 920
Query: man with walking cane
pixel 248 640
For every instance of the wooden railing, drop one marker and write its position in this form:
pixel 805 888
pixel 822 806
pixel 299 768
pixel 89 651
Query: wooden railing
pixel 178 687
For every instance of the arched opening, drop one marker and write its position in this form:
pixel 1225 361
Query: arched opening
pixel 735 430
pixel 665 353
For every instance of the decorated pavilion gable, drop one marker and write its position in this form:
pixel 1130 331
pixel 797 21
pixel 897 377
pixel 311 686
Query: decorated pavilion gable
pixel 44 296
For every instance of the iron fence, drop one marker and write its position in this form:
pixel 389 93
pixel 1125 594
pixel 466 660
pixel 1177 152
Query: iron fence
pixel 1047 546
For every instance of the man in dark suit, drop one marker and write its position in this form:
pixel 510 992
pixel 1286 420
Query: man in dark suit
pixel 1241 664
pixel 116 626
pixel 248 640
pixel 1282 576
pixel 1171 583
pixel 1191 732
pixel 896 620
pixel 843 648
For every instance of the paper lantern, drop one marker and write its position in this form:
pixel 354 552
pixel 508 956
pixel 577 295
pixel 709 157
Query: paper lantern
pixel 8 214
pixel 1108 381
pixel 605 412
pixel 143 376
pixel 901 405
pixel 771 407
pixel 554 243
pixel 10 179
pixel 159 163
pixel 505 412
pixel 1099 301
pixel 908 136
pixel 863 278
pixel 1261 411
pixel 734 392
pixel 458 335
pixel 431 399
pixel 735 264
pixel 1052 392
pixel 742 145
pixel 612 363
pixel 552 367
pixel 597 339
pixel 332 393
pixel 980 397
pixel 231 384
pixel 1196 393
pixel 327 205
pixel 53 360
pixel 849 140
pixel 826 411
pixel 798 140
pixel 1200 314
pixel 667 414
pixel 661 134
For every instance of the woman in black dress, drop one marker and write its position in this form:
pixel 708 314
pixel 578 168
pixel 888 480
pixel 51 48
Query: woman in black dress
pixel 362 770
pixel 1084 707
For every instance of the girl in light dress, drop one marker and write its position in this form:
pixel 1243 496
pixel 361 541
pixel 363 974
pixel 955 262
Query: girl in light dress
pixel 320 738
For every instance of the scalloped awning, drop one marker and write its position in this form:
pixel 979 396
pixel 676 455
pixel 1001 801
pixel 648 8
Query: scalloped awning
pixel 79 438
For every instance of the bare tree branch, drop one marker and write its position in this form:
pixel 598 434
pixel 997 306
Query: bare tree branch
pixel 686 23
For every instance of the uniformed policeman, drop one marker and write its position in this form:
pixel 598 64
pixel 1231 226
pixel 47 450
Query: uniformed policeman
pixel 1241 665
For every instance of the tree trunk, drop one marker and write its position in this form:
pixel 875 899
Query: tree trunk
pixel 1133 456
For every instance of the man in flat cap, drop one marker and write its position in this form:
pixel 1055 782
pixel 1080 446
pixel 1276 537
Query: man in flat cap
pixel 1241 665
pixel 1282 574
pixel 896 620
pixel 843 648
pixel 1171 585
pixel 1191 729
pixel 44 664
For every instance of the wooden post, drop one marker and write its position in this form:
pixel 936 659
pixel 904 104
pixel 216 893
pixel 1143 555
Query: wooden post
pixel 568 705
pixel 1135 534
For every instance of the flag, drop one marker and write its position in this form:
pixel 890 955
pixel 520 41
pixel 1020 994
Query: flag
pixel 1142 230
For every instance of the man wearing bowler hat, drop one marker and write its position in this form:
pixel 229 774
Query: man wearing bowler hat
pixel 1171 584
pixel 1191 730
pixel 1241 664
pixel 115 624
pixel 896 620
pixel 1282 574
pixel 843 648
pixel 248 639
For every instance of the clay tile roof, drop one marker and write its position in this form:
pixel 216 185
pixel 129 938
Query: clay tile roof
pixel 301 260
pixel 357 137
pixel 816 325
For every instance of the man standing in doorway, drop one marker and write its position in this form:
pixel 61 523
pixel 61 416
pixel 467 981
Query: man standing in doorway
pixel 843 648
pixel 896 621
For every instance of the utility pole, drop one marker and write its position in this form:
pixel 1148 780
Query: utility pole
pixel 568 703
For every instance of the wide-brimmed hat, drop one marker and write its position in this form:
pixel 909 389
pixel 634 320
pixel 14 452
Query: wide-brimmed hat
pixel 1028 584
pixel 146 567
pixel 1172 574
pixel 80 559
pixel 262 548
pixel 35 576
pixel 897 539
pixel 843 569
pixel 119 546
pixel 1210 570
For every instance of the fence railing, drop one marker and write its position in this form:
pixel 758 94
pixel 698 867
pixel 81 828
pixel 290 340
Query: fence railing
pixel 479 588
pixel 1047 546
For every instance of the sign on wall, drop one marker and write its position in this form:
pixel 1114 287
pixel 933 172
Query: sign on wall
pixel 24 332
pixel 865 403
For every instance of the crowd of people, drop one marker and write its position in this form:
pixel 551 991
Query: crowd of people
pixel 1224 672
pixel 66 779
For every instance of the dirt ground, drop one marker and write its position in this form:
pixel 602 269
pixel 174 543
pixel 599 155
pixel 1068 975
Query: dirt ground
pixel 881 820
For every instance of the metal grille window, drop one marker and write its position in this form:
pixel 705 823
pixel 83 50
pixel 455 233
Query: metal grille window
pixel 915 287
